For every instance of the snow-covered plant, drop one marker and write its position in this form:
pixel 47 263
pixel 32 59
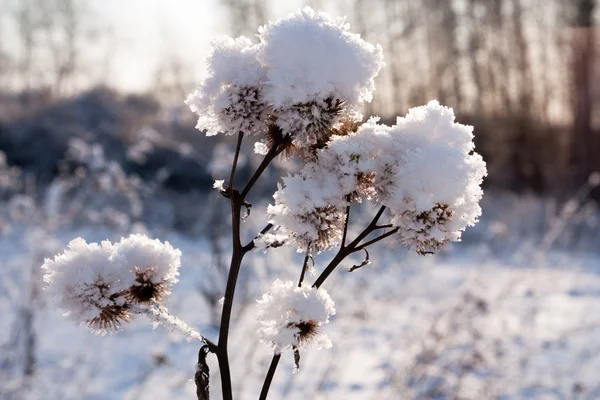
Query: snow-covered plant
pixel 104 285
pixel 298 92
pixel 291 316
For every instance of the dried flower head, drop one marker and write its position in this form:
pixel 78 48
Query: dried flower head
pixel 423 169
pixel 86 281
pixel 230 99
pixel 103 285
pixel 293 317
pixel 310 123
pixel 427 231
pixel 111 318
pixel 145 288
pixel 153 265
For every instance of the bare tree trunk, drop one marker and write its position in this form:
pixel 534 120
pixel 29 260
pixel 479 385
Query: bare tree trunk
pixel 582 61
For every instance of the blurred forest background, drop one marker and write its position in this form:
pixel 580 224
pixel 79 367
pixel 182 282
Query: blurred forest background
pixel 525 73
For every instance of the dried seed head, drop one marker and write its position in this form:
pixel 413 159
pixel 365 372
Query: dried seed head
pixel 305 330
pixel 110 319
pixel 422 231
pixel 310 123
pixel 246 111
pixel 328 222
pixel 145 290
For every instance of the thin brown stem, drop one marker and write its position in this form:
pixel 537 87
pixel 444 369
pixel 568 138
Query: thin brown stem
pixel 269 378
pixel 349 249
pixel 346 224
pixel 377 239
pixel 252 245
pixel 270 156
pixel 304 265
pixel 238 252
pixel 235 162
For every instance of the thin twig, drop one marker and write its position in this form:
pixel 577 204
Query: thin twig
pixel 349 249
pixel 269 378
pixel 273 152
pixel 235 162
pixel 252 245
pixel 304 265
pixel 346 223
pixel 377 239
pixel 366 261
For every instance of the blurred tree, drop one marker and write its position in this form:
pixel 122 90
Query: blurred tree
pixel 584 141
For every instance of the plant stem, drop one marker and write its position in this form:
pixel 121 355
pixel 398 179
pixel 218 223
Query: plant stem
pixel 346 224
pixel 269 378
pixel 342 253
pixel 271 155
pixel 235 161
pixel 304 265
pixel 349 249
pixel 378 238
pixel 238 252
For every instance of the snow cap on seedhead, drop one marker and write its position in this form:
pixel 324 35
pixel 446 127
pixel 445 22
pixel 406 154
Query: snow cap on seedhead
pixel 307 72
pixel 101 285
pixel 292 316
pixel 423 169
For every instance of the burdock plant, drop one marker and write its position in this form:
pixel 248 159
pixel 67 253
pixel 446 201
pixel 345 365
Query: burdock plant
pixel 298 92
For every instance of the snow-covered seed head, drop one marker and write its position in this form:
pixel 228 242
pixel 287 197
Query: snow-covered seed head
pixel 425 232
pixel 146 288
pixel 110 319
pixel 328 223
pixel 310 123
pixel 293 317
pixel 306 331
pixel 103 285
pixel 230 99
pixel 245 110
pixel 153 265
pixel 423 169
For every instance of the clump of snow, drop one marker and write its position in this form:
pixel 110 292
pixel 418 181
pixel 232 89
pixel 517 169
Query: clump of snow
pixel 423 169
pixel 219 185
pixel 153 264
pixel 292 316
pixel 315 63
pixel 86 281
pixel 230 100
pixel 269 240
pixel 102 285
pixel 307 72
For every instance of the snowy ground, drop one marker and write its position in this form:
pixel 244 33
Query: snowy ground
pixel 462 324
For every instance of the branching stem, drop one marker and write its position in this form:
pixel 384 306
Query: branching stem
pixel 237 200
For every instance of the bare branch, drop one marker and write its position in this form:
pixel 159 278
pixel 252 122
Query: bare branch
pixel 366 261
pixel 269 378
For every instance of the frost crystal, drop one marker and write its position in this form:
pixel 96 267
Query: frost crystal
pixel 292 316
pixel 423 169
pixel 102 285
